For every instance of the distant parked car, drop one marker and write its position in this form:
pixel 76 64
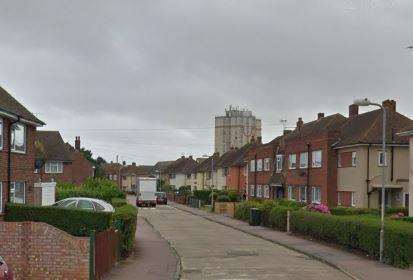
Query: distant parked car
pixel 5 271
pixel 161 198
pixel 85 203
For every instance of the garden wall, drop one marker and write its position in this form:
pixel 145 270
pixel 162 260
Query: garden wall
pixel 40 251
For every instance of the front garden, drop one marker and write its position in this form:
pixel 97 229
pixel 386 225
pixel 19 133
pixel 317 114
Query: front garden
pixel 352 228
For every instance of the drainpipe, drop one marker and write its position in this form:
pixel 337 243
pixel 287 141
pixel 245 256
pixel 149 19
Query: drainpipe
pixel 392 164
pixel 308 174
pixel 9 158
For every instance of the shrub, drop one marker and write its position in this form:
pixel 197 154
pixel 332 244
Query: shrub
pixel 118 202
pixel 291 204
pixel 242 211
pixel 233 196
pixel 203 195
pixel 125 220
pixel 94 188
pixel 223 198
pixel 358 232
pixel 320 208
pixel 76 222
pixel 350 211
pixel 407 219
pixel 184 190
pixel 265 208
pixel 403 210
pixel 278 217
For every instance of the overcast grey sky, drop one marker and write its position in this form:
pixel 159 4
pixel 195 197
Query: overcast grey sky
pixel 110 70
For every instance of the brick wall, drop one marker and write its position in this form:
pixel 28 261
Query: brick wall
pixel 39 251
pixel 22 165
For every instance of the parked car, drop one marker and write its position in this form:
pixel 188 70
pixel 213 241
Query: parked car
pixel 161 198
pixel 85 203
pixel 5 271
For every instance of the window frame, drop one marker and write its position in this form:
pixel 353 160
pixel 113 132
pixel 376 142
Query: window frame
pixel 313 159
pixel 339 160
pixel 313 200
pixel 259 165
pixel 266 191
pixel 379 158
pixel 13 191
pixel 290 161
pixel 252 165
pixel 259 191
pixel 290 193
pixel 305 166
pixel 267 164
pixel 353 159
pixel 339 198
pixel 300 193
pixel 12 147
pixel 252 191
pixel 279 163
pixel 1 134
pixel 353 199
pixel 49 164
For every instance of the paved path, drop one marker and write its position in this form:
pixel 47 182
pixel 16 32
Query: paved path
pixel 209 250
pixel 152 258
pixel 356 266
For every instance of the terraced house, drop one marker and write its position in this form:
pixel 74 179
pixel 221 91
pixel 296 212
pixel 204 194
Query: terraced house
pixel 17 151
pixel 179 172
pixel 360 159
pixel 206 173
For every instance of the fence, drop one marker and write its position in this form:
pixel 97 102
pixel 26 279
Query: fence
pixel 194 202
pixel 106 252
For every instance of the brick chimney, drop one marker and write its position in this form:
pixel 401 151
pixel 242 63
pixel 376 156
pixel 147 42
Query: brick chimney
pixel 134 163
pixel 124 163
pixel 77 143
pixel 353 110
pixel 390 105
pixel 320 115
pixel 300 123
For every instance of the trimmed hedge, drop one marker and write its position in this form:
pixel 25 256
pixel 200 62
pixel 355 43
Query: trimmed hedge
pixel 76 222
pixel 278 217
pixel 93 187
pixel 358 232
pixel 203 195
pixel 118 202
pixel 350 211
pixel 242 211
pixel 125 220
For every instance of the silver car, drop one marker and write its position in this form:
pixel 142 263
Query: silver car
pixel 85 203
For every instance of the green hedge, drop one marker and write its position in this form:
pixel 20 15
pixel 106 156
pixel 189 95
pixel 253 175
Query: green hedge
pixel 358 232
pixel 265 207
pixel 350 211
pixel 74 221
pixel 242 211
pixel 203 195
pixel 93 187
pixel 118 202
pixel 125 220
pixel 278 217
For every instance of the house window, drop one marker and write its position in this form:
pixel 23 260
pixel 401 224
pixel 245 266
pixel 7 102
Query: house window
pixel 266 191
pixel 267 164
pixel 259 164
pixel 406 200
pixel 115 177
pixel 303 193
pixel 317 158
pixel 339 160
pixel 124 178
pixel 292 161
pixel 382 158
pixel 18 138
pixel 304 160
pixel 259 191
pixel 17 192
pixel 172 176
pixel 53 167
pixel 353 158
pixel 353 199
pixel 339 198
pixel 279 163
pixel 290 193
pixel 252 190
pixel 316 195
pixel 1 135
pixel 252 166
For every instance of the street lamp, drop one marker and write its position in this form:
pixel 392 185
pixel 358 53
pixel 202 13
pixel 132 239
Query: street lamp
pixel 367 102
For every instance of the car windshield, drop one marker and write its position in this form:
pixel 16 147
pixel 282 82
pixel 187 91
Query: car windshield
pixel 85 204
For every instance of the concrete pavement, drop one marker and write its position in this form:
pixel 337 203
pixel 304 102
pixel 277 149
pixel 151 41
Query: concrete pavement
pixel 209 250
pixel 152 258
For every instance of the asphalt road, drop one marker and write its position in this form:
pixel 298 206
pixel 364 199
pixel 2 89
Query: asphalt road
pixel 212 251
pixel 152 258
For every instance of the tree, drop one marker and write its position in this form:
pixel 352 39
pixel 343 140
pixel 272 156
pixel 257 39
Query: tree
pixel 97 163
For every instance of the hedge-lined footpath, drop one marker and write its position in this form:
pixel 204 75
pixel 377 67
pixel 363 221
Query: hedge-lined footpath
pixel 352 228
pixel 93 187
pixel 125 220
pixel 73 221
pixel 359 232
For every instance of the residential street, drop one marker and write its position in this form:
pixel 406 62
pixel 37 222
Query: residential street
pixel 212 251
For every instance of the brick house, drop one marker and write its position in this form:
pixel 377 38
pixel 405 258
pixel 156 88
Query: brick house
pixel 112 172
pixel 309 162
pixel 179 172
pixel 58 161
pixel 17 151
pixel 130 174
pixel 360 159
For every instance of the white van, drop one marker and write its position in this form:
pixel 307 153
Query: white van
pixel 146 192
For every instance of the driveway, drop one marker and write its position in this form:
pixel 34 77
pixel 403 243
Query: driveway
pixel 212 251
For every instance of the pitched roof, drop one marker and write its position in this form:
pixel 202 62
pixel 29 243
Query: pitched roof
pixel 112 168
pixel 367 128
pixel 206 165
pixel 235 157
pixel 50 146
pixel 183 165
pixel 162 165
pixel 10 105
pixel 138 170
pixel 324 124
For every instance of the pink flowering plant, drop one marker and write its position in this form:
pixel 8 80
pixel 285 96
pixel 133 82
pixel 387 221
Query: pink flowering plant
pixel 321 208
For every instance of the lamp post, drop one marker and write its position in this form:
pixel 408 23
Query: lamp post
pixel 212 182
pixel 367 102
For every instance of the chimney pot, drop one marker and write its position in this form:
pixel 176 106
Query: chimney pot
pixel 300 123
pixel 320 115
pixel 353 110
pixel 124 162
pixel 390 105
pixel 77 143
pixel 182 156
pixel 191 157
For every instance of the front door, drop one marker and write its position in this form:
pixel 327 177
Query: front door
pixel 280 192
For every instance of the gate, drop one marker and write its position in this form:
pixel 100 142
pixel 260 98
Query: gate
pixel 105 252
